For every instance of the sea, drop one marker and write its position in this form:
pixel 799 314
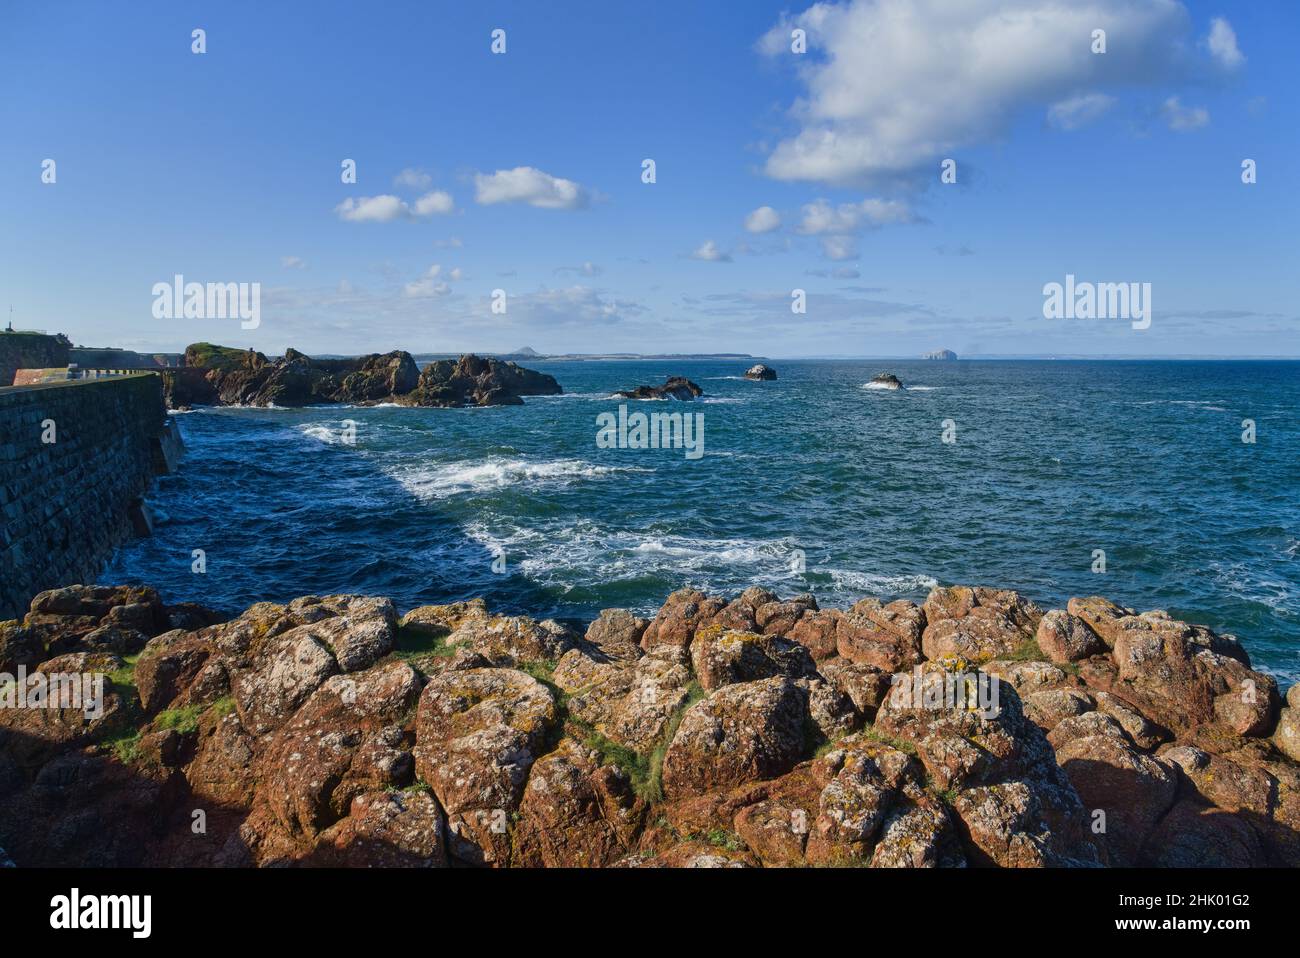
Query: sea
pixel 1159 484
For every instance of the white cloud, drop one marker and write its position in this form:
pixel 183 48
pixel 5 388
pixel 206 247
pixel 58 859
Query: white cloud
pixel 553 308
pixel 433 203
pixel 820 217
pixel 427 287
pixel 412 179
pixel 372 209
pixel 763 220
pixel 431 283
pixel 386 207
pixel 709 252
pixel 840 248
pixel 526 184
pixel 1222 42
pixel 1182 118
pixel 1078 111
pixel 293 262
pixel 891 86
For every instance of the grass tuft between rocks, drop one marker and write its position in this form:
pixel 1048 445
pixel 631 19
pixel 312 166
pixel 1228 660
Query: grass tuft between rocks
pixel 876 735
pixel 415 643
pixel 123 679
pixel 1027 651
pixel 644 770
pixel 183 720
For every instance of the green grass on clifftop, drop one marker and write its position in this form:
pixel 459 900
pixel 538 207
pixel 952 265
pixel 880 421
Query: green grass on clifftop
pixel 212 356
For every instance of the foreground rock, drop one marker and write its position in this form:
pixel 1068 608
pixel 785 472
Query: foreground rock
pixel 976 729
pixel 675 387
pixel 760 372
pixel 218 375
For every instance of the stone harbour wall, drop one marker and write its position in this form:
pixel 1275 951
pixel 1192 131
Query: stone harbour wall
pixel 68 503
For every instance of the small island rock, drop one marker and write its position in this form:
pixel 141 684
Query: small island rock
pixel 675 387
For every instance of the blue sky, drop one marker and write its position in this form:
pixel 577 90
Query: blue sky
pixel 225 167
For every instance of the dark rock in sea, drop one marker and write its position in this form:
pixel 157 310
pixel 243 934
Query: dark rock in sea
pixel 474 381
pixel 676 387
pixel 887 380
pixel 380 377
pixel 218 375
pixel 944 354
pixel 760 372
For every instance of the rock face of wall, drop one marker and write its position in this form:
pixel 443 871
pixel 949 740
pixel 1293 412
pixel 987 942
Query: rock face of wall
pixel 67 504
pixel 30 351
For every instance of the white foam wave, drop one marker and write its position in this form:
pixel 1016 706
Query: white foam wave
pixel 583 554
pixel 271 407
pixel 584 550
pixel 322 432
pixel 615 398
pixel 1238 580
pixel 874 584
pixel 453 479
pixel 1213 405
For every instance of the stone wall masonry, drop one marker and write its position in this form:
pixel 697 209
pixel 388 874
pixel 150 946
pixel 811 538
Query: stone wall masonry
pixel 66 505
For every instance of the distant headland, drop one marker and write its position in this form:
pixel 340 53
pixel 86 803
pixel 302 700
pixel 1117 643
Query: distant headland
pixel 527 352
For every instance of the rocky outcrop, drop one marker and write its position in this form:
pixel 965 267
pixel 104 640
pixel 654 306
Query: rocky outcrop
pixel 760 372
pixel 217 375
pixel 941 354
pixel 886 381
pixel 976 729
pixel 674 387
pixel 473 381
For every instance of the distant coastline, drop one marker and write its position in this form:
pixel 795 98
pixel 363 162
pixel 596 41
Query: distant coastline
pixel 593 357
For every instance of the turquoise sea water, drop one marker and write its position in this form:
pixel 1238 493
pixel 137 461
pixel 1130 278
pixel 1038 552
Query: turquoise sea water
pixel 1052 461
